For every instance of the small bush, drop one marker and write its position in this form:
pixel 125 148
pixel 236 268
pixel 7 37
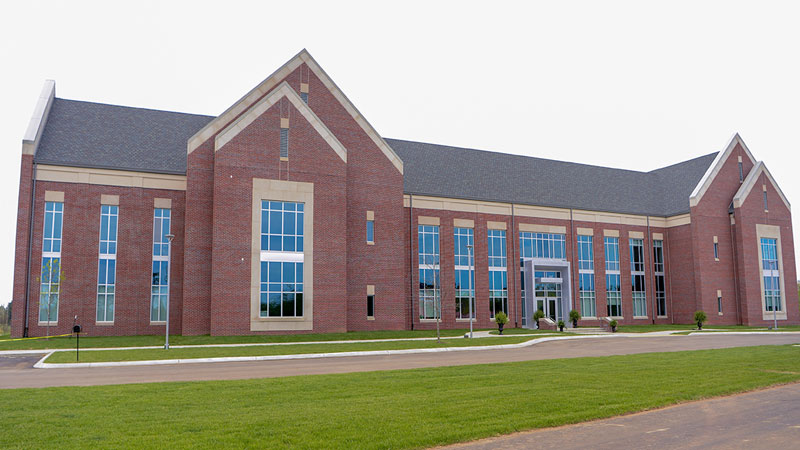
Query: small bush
pixel 501 318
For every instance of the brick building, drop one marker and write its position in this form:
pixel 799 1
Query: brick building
pixel 289 213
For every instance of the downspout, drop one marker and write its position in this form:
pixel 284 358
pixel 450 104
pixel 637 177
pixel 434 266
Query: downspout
pixel 668 277
pixel 649 240
pixel 411 259
pixel 514 265
pixel 30 250
pixel 735 273
pixel 573 240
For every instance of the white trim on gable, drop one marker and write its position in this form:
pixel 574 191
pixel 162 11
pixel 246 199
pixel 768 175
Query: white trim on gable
pixel 715 167
pixel 33 135
pixel 283 90
pixel 268 84
pixel 750 181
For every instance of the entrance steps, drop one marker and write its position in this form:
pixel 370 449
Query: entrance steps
pixel 588 330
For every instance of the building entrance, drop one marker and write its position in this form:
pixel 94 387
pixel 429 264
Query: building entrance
pixel 548 294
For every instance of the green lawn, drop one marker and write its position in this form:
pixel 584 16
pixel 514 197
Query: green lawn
pixel 394 409
pixel 142 341
pixel 215 352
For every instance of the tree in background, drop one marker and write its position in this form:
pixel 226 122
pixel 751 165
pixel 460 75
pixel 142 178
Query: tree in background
pixel 5 319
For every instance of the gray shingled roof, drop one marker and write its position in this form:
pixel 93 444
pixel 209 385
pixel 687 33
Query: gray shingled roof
pixel 103 136
pixel 84 134
pixel 440 170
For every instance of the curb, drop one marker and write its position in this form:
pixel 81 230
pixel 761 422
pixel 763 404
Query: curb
pixel 43 365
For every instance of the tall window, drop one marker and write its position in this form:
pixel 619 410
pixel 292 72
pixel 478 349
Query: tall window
pixel 107 264
pixel 429 287
pixel 637 278
pixel 282 258
pixel 538 245
pixel 464 264
pixel 159 289
pixel 658 269
pixel 586 276
pixel 498 274
pixel 772 277
pixel 613 291
pixel 50 281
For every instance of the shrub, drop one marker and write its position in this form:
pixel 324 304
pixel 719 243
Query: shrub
pixel 700 317
pixel 574 317
pixel 501 318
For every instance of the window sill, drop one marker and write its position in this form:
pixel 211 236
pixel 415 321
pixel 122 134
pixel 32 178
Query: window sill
pixel 427 320
pixel 284 158
pixel 104 324
pixel 466 320
pixel 370 242
pixel 158 323
pixel 716 259
pixel 280 319
pixel 640 317
pixel 589 318
pixel 662 317
pixel 47 324
pixel 370 317
pixel 617 317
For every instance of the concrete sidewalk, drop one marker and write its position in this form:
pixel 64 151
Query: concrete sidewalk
pixel 764 419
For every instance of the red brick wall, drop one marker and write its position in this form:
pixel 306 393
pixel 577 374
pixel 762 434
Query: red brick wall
pixel 710 218
pixel 254 153
pixel 79 259
pixel 199 213
pixel 747 217
pixel 21 249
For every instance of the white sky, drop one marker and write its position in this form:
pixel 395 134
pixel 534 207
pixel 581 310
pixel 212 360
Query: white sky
pixel 618 84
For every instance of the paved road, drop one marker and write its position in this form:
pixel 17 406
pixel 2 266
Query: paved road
pixel 19 372
pixel 767 419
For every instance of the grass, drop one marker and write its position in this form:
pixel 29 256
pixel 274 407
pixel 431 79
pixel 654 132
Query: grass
pixel 142 341
pixel 215 352
pixel 394 409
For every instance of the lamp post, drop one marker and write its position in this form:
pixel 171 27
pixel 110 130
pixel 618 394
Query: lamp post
pixel 169 237
pixel 469 286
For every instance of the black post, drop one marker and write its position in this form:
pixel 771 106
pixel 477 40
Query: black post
pixel 77 347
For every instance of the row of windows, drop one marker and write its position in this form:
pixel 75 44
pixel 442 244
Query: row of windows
pixel 50 279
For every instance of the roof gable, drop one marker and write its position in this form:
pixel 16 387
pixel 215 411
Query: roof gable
pixel 243 104
pixel 750 181
pixel 256 110
pixel 716 166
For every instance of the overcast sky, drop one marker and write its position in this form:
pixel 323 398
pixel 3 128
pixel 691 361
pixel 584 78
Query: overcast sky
pixel 618 84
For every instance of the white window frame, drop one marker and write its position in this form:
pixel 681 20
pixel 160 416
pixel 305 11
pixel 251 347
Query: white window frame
pixel 658 270
pixel 496 243
pixel 469 235
pixel 428 260
pixel 282 256
pixel 638 298
pixel 53 289
pixel 103 258
pixel 588 298
pixel 611 243
pixel 163 260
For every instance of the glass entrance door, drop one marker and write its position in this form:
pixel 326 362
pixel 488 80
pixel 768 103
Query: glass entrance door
pixel 548 295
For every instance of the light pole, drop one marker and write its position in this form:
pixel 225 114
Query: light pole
pixel 169 237
pixel 469 286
